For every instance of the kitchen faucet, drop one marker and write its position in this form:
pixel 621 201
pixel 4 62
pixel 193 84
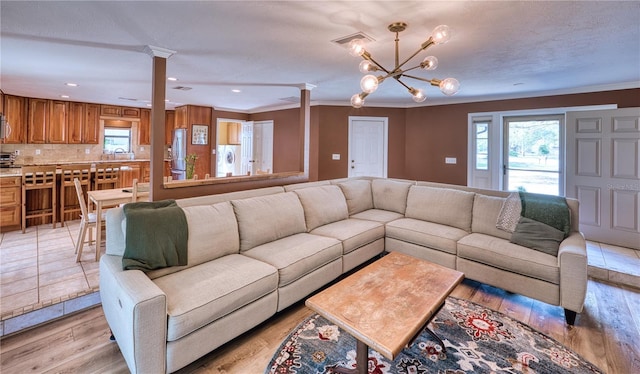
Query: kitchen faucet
pixel 119 150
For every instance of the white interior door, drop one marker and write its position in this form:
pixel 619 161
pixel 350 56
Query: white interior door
pixel 603 173
pixel 263 146
pixel 246 148
pixel 368 146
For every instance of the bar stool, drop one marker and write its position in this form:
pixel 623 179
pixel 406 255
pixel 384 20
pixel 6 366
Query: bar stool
pixel 39 178
pixel 68 174
pixel 106 174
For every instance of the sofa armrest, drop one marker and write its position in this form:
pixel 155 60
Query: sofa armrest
pixel 572 260
pixel 115 232
pixel 136 310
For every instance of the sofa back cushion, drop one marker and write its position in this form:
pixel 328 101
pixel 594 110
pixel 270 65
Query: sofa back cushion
pixel 358 195
pixel 267 218
pixel 390 195
pixel 441 205
pixel 213 233
pixel 486 210
pixel 322 205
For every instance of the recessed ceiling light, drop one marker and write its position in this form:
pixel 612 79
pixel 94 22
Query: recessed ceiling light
pixel 173 79
pixel 236 90
pixel 64 96
pixel 71 84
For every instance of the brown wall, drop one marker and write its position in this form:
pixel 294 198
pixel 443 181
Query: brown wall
pixel 286 138
pixel 436 132
pixel 331 124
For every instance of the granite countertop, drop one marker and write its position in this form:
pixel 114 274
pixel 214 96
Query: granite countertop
pixel 16 171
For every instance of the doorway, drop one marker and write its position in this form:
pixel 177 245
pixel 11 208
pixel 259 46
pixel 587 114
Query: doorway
pixel 368 145
pixel 534 154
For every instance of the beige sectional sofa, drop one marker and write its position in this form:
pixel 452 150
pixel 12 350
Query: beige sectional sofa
pixel 254 253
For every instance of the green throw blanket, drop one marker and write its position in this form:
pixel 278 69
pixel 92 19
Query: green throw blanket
pixel 548 209
pixel 156 235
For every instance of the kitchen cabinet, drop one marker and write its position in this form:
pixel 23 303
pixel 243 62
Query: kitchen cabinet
pixel 57 124
pixel 181 117
pixel 119 111
pixel 145 172
pixel 144 127
pixel 10 203
pixel 234 131
pixel 128 172
pixel 37 121
pixel 15 111
pixel 75 123
pixel 91 125
pixel 169 125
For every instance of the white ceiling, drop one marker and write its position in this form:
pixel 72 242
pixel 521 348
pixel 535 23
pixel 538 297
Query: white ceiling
pixel 268 49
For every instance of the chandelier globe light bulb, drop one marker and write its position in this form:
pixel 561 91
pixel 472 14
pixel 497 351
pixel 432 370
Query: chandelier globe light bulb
pixel 356 47
pixel 418 95
pixel 449 86
pixel 429 63
pixel 441 34
pixel 369 83
pixel 357 101
pixel 366 66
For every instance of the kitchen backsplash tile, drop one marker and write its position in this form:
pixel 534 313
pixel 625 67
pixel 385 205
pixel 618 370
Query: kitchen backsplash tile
pixel 45 153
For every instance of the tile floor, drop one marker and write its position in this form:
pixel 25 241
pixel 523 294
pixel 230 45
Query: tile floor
pixel 40 280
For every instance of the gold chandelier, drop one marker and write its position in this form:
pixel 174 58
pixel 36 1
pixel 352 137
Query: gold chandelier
pixel 370 82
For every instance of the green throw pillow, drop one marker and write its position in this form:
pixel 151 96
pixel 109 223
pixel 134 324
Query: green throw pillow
pixel 537 235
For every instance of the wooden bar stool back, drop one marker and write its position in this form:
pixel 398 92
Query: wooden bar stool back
pixel 88 221
pixel 107 176
pixel 68 198
pixel 39 178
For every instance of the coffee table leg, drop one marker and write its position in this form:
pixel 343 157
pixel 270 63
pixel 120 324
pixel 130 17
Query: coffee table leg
pixel 362 358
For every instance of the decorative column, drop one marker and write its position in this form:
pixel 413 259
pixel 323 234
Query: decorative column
pixel 158 94
pixel 305 125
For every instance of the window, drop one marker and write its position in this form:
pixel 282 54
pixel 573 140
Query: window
pixel 482 144
pixel 117 139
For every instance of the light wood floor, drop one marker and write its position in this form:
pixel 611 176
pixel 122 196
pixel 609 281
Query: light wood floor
pixel 606 333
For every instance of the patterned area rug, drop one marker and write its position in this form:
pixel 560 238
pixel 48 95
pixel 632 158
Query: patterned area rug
pixel 477 340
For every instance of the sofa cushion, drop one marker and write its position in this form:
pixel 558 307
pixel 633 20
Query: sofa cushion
pixel 358 195
pixel 501 254
pixel 354 233
pixel 297 255
pixel 378 215
pixel 201 294
pixel 486 210
pixel 426 234
pixel 213 233
pixel 322 205
pixel 536 235
pixel 390 195
pixel 441 205
pixel 267 218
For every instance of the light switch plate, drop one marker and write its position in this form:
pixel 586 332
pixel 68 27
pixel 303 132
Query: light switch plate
pixel 87 151
pixel 37 151
pixel 450 160
pixel 335 156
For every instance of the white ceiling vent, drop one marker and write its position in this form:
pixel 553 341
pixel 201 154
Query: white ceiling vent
pixel 344 41
pixel 127 98
pixel 291 99
pixel 181 88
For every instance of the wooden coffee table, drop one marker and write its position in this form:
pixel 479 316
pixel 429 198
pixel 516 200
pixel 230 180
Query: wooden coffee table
pixel 386 304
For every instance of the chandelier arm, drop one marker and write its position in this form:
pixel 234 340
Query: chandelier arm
pixel 433 82
pixel 424 46
pixel 368 57
pixel 397 78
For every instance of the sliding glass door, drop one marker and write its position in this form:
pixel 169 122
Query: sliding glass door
pixel 534 154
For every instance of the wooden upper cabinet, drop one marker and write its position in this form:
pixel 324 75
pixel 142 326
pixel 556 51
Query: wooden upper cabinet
pixel 110 110
pixel 57 125
pixel 91 125
pixel 131 112
pixel 15 111
pixel 144 127
pixel 169 125
pixel 37 121
pixel 181 117
pixel 75 123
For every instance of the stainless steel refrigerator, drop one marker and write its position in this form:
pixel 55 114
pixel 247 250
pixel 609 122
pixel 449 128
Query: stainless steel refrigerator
pixel 178 154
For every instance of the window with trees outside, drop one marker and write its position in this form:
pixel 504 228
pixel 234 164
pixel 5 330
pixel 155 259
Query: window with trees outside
pixel 117 139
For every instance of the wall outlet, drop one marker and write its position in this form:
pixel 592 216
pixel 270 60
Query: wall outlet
pixel 37 151
pixel 17 152
pixel 335 156
pixel 450 160
pixel 141 149
pixel 87 151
